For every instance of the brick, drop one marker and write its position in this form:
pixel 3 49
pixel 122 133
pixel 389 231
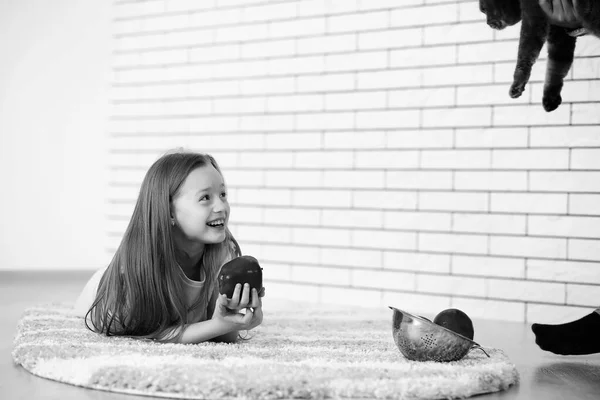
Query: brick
pixel 565 136
pixel 295 65
pixel 530 203
pixel 297 28
pixel 418 221
pixel 321 236
pixel 324 159
pixel 429 15
pixel 530 159
pixel 585 159
pixel 383 279
pixel 223 142
pixel 564 271
pixel 216 17
pixel 418 262
pixel 247 214
pixel 295 103
pixel 294 292
pixel 387 119
pixel 488 266
pixel 342 6
pixel 272 271
pixel 419 180
pixel 584 249
pixel 270 85
pixel 453 201
pixel 351 297
pixel 349 257
pixel 588 113
pixel 326 82
pixel 222 88
pixel 356 61
pixel 454 285
pixel 491 309
pixel 489 223
pixel 528 247
pixel 383 239
pixel 294 141
pixel 186 5
pixel 326 44
pixel 453 243
pixel 492 137
pixel 239 69
pixel 583 295
pixel 586 68
pixel 586 47
pixel 554 314
pixel 457 75
pixel 273 48
pixel 582 227
pixel 262 159
pixel 353 218
pixel 321 275
pixel 322 198
pixel 387 4
pixel 588 204
pixel 217 53
pixel 353 179
pixel 264 234
pixel 571 181
pixel 325 120
pixel 384 199
pixel 487 95
pixel 456 159
pixel 238 33
pixel 236 105
pixel 389 38
pixel 457 33
pixel 291 216
pixel 357 22
pixel 262 196
pixel 468 12
pixel 573 91
pixel 530 115
pixel 416 303
pixel 293 178
pixel 490 52
pixel 244 178
pixel 354 101
pixel 268 12
pixel 354 140
pixel 513 289
pixel 124 10
pixel 389 159
pixel 170 22
pixel 418 139
pixel 490 180
pixel 389 78
pixel 182 38
pixel 423 97
pixel 285 253
pixel 427 56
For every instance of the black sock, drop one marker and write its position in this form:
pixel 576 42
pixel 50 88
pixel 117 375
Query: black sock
pixel 574 338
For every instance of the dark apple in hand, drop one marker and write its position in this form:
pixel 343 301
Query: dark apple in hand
pixel 243 269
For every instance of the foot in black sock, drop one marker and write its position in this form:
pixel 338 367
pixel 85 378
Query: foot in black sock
pixel 574 338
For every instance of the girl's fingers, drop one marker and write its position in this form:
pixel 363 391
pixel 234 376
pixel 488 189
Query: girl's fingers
pixel 245 300
pixel 255 298
pixel 235 298
pixel 261 293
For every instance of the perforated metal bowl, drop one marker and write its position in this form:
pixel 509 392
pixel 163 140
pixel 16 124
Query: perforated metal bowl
pixel 419 339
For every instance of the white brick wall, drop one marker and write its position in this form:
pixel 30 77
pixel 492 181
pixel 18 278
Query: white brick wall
pixel 371 149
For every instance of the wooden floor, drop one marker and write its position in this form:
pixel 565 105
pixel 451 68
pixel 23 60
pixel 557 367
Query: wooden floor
pixel 544 376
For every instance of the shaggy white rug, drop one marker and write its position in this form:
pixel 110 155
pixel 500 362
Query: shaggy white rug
pixel 312 354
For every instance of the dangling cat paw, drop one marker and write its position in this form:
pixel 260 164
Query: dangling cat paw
pixel 516 90
pixel 551 102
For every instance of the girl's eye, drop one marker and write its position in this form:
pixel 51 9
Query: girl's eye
pixel 205 197
pixel 224 195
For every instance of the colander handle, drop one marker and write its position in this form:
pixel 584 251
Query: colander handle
pixel 477 346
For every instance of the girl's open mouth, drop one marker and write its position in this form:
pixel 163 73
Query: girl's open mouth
pixel 217 223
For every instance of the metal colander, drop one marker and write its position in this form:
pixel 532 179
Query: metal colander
pixel 419 339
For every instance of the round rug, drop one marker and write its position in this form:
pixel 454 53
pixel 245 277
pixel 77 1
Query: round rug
pixel 310 354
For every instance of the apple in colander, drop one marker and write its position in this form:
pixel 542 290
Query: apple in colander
pixel 457 321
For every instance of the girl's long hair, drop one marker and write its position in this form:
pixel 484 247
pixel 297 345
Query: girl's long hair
pixel 141 294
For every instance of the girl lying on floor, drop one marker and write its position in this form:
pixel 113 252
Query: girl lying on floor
pixel 161 283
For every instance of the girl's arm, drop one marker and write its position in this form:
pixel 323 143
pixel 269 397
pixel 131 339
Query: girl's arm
pixel 229 337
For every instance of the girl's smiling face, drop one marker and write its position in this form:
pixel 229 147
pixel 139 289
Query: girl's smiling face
pixel 200 208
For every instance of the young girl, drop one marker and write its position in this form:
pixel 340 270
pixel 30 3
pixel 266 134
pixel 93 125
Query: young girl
pixel 161 283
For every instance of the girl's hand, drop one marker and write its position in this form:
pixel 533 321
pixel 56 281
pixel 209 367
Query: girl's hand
pixel 235 320
pixel 245 299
